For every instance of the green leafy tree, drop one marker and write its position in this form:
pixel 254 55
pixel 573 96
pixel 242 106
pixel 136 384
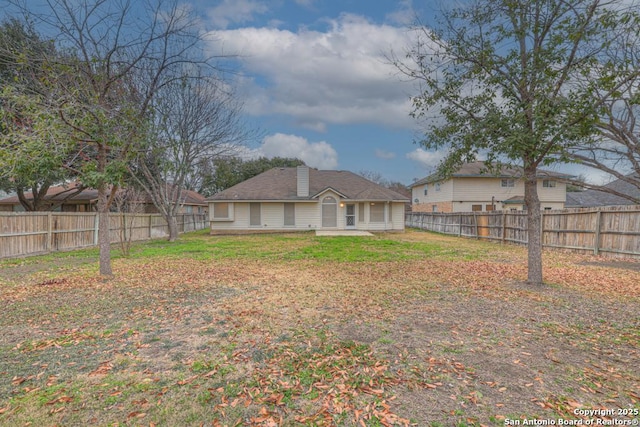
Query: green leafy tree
pixel 224 172
pixel 499 78
pixel 32 150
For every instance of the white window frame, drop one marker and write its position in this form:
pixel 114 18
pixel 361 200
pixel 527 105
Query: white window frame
pixel 228 214
pixel 374 210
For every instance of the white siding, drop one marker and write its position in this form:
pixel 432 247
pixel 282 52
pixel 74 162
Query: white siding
pixel 465 192
pixel 483 189
pixel 308 216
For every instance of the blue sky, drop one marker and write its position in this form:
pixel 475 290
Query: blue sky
pixel 314 80
pixel 313 77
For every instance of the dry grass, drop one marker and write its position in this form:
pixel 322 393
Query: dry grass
pixel 399 329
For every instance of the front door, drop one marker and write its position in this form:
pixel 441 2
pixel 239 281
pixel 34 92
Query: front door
pixel 350 216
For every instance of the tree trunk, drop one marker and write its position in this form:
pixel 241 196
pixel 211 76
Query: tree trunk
pixel 104 239
pixel 534 224
pixel 173 227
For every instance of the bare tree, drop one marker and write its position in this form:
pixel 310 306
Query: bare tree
pixel 128 203
pixel 615 149
pixel 195 119
pixel 124 52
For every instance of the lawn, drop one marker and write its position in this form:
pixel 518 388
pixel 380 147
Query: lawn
pixel 298 330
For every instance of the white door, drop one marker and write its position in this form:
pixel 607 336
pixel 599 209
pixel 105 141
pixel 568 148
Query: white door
pixel 350 216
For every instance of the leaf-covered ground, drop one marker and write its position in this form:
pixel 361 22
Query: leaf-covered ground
pixel 293 330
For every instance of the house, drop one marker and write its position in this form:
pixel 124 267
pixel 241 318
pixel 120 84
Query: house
pixel 473 188
pixel 66 198
pixel 61 198
pixel 302 198
pixel 595 198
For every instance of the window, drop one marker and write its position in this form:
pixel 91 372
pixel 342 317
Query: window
pixel 548 183
pixel 254 215
pixel 425 190
pixel 220 210
pixel 289 214
pixel 376 212
pixel 360 212
pixel 189 209
pixel 476 208
pixel 438 186
pixel 488 208
pixel 508 183
pixel 547 208
pixel 434 208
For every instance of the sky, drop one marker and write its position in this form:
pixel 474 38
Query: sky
pixel 314 79
pixel 316 83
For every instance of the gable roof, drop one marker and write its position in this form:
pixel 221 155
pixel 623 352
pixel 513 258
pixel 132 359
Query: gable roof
pixel 58 193
pixel 592 198
pixel 281 184
pixel 479 170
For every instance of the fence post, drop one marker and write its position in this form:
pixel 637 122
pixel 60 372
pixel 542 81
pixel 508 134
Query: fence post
pixel 49 231
pixel 95 229
pixel 504 225
pixel 150 225
pixel 542 229
pixel 460 225
pixel 475 223
pixel 596 245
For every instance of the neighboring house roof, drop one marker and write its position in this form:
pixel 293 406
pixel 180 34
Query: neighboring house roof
pixel 59 193
pixel 281 184
pixel 479 170
pixel 591 198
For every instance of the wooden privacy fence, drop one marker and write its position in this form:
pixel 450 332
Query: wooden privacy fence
pixel 34 233
pixel 613 231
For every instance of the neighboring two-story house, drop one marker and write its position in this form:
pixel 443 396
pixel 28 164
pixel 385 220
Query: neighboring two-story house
pixel 474 188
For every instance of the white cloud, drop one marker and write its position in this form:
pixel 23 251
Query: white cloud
pixel 235 12
pixel 337 76
pixel 319 155
pixel 429 159
pixel 383 154
pixel 404 15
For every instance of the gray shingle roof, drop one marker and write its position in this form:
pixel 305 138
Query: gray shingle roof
pixel 281 184
pixel 479 170
pixel 592 198
pixel 59 193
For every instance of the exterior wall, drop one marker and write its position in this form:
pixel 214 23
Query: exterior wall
pixel 462 193
pixel 445 207
pixel 308 216
pixel 445 193
pixel 555 195
pixel 481 190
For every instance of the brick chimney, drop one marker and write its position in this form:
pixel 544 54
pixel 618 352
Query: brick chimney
pixel 302 174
